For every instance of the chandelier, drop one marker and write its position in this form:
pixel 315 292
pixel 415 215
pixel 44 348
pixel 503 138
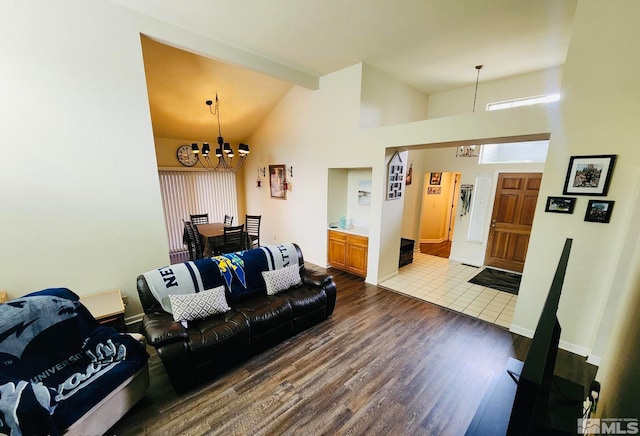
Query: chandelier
pixel 223 151
pixel 471 150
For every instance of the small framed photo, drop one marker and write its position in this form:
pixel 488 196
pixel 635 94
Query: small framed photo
pixel 276 181
pixel 599 211
pixel 435 178
pixel 434 190
pixel 560 204
pixel 589 175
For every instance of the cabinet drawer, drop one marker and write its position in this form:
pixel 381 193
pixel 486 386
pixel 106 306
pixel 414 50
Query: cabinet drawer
pixel 357 240
pixel 340 236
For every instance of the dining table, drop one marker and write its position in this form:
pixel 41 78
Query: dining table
pixel 213 237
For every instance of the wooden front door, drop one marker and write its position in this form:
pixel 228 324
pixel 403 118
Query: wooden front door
pixel 513 210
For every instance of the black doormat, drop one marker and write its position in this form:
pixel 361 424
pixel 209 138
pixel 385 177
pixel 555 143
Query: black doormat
pixel 496 279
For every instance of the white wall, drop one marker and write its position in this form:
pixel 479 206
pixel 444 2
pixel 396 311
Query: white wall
pixel 78 180
pixel 386 100
pixel 460 101
pixel 356 213
pixel 598 115
pixel 413 197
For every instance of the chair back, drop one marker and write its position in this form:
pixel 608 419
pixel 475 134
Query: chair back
pixel 253 229
pixel 228 220
pixel 233 239
pixel 191 237
pixel 202 218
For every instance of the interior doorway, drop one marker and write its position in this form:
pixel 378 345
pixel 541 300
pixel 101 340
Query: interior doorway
pixel 437 218
pixel 513 210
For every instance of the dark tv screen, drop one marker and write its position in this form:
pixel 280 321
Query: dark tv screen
pixel 530 405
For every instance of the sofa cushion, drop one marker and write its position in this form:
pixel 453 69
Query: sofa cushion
pixel 281 278
pixel 188 307
pixel 216 333
pixel 264 312
pixel 305 299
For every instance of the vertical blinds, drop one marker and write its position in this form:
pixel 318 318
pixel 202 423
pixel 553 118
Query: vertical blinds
pixel 189 192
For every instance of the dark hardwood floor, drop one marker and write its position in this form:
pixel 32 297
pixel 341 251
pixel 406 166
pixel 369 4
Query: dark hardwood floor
pixel 384 363
pixel 442 249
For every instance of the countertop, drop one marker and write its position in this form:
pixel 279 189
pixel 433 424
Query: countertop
pixel 353 230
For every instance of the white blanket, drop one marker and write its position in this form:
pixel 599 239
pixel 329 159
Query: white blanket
pixel 279 256
pixel 178 279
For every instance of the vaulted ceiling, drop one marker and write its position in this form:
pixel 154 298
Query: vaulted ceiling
pixel 433 45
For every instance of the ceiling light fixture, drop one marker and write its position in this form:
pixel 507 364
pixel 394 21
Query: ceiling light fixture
pixel 471 150
pixel 223 152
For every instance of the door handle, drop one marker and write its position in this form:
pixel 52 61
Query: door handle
pixel 493 224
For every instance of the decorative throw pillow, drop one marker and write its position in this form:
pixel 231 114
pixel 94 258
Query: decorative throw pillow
pixel 281 278
pixel 188 307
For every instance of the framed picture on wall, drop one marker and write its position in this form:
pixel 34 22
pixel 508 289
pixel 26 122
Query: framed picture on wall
pixel 434 190
pixel 436 178
pixel 395 178
pixel 589 175
pixel 599 211
pixel 276 181
pixel 560 204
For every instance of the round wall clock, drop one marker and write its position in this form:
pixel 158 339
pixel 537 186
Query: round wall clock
pixel 186 156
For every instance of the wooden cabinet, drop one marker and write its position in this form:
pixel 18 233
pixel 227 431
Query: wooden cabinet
pixel 337 249
pixel 348 252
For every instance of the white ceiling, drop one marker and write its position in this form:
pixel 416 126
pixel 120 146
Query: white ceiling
pixel 432 45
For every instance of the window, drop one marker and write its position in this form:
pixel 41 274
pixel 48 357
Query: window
pixel 191 192
pixel 541 99
pixel 514 152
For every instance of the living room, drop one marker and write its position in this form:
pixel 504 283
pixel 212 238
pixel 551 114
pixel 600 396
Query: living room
pixel 85 209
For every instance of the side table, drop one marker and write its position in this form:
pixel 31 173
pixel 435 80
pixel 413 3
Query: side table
pixel 107 308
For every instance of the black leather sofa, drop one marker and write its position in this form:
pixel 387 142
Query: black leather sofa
pixel 209 346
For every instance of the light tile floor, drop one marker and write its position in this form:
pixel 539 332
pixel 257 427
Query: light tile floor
pixel 445 283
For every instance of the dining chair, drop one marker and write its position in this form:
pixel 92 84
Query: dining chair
pixel 234 238
pixel 253 229
pixel 202 218
pixel 191 237
pixel 228 220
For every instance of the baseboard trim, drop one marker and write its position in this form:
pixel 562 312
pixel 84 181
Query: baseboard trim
pixel 466 261
pixel 387 277
pixel 134 319
pixel 594 360
pixel 567 346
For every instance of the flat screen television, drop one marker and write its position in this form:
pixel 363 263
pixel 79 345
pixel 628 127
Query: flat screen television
pixel 531 407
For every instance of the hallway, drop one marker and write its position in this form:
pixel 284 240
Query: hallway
pixel 445 283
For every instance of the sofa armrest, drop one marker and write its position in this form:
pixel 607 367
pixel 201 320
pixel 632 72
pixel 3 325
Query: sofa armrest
pixel 160 329
pixel 324 281
pixel 312 278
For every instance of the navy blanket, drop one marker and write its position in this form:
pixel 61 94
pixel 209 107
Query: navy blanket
pixel 57 362
pixel 240 273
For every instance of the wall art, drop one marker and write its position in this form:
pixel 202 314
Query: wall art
pixel 276 181
pixel 599 211
pixel 589 175
pixel 560 204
